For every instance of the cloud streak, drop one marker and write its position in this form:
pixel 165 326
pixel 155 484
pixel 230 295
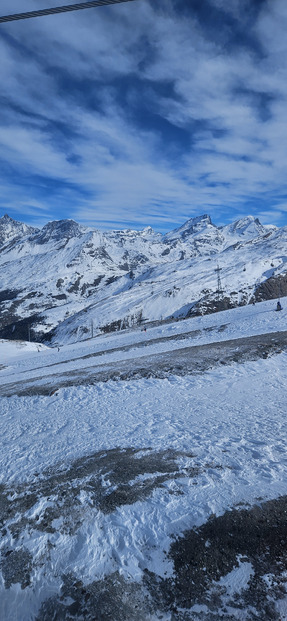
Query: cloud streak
pixel 142 114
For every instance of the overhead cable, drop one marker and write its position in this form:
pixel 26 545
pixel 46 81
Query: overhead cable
pixel 59 9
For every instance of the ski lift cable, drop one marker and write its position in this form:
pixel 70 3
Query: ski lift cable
pixel 59 9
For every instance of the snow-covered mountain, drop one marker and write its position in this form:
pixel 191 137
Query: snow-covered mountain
pixel 11 229
pixel 65 281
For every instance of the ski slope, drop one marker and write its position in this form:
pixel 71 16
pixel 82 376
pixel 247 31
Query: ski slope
pixel 104 484
pixel 129 345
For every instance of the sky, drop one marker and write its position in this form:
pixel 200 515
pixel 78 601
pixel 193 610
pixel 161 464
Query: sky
pixel 144 114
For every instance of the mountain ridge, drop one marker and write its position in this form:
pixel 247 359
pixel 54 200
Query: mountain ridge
pixel 66 281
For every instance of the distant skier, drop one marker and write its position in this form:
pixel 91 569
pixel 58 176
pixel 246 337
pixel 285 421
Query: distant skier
pixel 278 307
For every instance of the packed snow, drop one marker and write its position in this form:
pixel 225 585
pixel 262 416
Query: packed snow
pixel 129 344
pixel 221 436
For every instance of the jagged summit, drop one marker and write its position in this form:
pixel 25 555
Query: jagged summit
pixel 12 229
pixel 148 230
pixel 66 277
pixel 191 226
pixel 247 227
pixel 60 229
pixel 7 218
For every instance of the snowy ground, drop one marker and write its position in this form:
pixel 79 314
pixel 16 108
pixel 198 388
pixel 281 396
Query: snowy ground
pixel 147 499
pixel 127 352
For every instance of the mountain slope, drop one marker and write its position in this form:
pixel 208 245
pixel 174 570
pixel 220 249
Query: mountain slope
pixel 66 281
pixel 11 229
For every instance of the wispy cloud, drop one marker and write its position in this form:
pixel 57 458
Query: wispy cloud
pixel 145 114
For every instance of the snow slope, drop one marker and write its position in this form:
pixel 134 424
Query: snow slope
pixel 105 487
pixel 131 344
pixel 18 349
pixel 64 279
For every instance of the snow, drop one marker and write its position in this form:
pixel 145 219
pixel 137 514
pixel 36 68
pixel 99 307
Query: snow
pixel 238 578
pixel 130 344
pixel 18 349
pixel 229 424
pixel 74 276
pixel 190 414
pixel 281 607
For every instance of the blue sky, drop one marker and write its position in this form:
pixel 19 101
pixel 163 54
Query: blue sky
pixel 145 113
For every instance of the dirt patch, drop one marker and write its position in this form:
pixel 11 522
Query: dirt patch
pixel 109 479
pixel 256 537
pixel 16 566
pixel 252 541
pixel 111 599
pixel 188 360
pixel 202 558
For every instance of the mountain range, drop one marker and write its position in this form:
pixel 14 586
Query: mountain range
pixel 66 282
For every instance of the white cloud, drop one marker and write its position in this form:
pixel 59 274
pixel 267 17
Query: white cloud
pixel 61 79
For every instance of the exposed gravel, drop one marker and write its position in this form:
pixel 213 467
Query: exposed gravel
pixel 189 360
pixel 203 558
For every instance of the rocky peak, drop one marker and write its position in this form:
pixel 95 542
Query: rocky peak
pixel 246 228
pixel 191 227
pixel 60 229
pixel 148 230
pixel 12 229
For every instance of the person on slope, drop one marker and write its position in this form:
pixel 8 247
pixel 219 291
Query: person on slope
pixel 278 307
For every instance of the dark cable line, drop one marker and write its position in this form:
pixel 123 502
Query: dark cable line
pixel 59 9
